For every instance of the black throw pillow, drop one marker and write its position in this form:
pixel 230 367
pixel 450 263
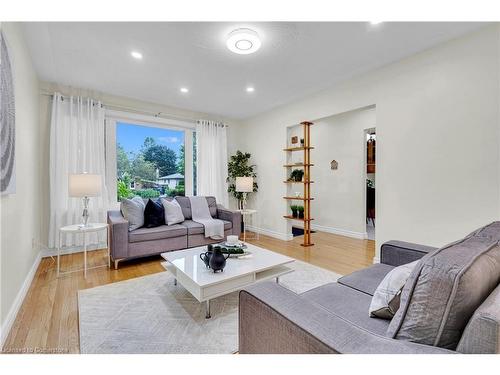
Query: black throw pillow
pixel 154 214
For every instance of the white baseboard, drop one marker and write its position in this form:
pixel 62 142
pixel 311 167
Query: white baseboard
pixel 340 232
pixel 270 233
pixel 18 301
pixel 48 252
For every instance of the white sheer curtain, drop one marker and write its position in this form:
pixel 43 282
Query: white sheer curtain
pixel 211 158
pixel 77 145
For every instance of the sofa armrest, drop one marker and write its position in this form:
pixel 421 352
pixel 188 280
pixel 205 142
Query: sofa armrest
pixel 118 235
pixel 397 253
pixel 232 216
pixel 275 320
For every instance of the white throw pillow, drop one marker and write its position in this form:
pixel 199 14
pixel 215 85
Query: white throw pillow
pixel 173 212
pixel 385 300
pixel 133 212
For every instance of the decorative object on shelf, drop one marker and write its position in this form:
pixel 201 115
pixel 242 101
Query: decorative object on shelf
pixel 334 165
pixel 297 175
pixel 297 194
pixel 244 185
pixel 205 257
pixel 8 122
pixel 300 210
pixel 83 186
pixel 238 166
pixel 217 259
pixel 295 140
pixel 303 177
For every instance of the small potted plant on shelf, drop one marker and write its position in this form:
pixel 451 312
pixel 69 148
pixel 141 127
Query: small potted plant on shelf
pixel 297 175
pixel 300 209
pixel 293 207
pixel 301 142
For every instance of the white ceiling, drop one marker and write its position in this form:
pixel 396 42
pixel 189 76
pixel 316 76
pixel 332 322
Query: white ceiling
pixel 295 60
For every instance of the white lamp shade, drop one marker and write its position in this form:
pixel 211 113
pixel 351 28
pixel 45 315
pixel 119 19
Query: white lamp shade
pixel 84 185
pixel 244 184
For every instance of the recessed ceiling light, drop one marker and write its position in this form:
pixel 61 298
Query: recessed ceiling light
pixel 250 89
pixel 136 55
pixel 375 22
pixel 243 41
pixel 184 90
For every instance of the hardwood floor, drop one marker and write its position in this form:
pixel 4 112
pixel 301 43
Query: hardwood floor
pixel 48 319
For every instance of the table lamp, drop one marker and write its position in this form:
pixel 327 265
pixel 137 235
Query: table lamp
pixel 244 185
pixel 83 186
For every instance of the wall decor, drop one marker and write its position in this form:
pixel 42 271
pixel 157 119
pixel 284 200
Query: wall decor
pixel 334 165
pixel 7 123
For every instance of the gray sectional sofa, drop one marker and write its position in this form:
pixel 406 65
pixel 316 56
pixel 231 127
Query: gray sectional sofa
pixel 450 304
pixel 151 241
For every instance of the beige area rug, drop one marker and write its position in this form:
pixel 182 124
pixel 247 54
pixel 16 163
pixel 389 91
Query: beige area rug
pixel 151 315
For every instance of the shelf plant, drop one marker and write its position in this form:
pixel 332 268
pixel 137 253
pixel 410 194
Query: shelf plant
pixel 297 175
pixel 294 207
pixel 300 210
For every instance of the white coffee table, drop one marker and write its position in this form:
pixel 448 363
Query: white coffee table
pixel 190 271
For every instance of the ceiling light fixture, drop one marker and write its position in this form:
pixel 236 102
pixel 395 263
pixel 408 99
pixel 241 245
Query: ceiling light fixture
pixel 250 89
pixel 243 41
pixel 373 23
pixel 184 90
pixel 136 55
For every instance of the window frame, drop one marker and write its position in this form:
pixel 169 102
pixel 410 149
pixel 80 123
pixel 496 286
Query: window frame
pixel 112 117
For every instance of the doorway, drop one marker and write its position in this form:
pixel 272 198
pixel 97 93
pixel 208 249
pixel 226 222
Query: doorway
pixel 371 146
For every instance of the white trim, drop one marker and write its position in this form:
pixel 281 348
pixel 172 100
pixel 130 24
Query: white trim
pixel 376 259
pixel 270 233
pixel 18 301
pixel 148 120
pixel 52 252
pixel 340 232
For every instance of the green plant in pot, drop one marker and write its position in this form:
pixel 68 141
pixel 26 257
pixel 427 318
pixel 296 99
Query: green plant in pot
pixel 300 210
pixel 293 207
pixel 297 175
pixel 239 166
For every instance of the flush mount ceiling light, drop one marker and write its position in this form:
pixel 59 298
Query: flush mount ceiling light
pixel 184 90
pixel 136 55
pixel 243 41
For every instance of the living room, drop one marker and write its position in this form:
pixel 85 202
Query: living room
pixel 209 187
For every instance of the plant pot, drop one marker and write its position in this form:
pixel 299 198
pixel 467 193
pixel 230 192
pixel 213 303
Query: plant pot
pixel 294 213
pixel 301 214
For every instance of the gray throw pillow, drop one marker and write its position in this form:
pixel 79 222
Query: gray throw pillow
pixel 385 300
pixel 133 212
pixel 444 290
pixel 173 212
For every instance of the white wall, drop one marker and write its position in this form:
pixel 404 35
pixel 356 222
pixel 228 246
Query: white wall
pixel 20 212
pixel 342 193
pixel 437 141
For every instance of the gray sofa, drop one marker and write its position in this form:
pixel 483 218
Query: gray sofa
pixel 334 318
pixel 151 241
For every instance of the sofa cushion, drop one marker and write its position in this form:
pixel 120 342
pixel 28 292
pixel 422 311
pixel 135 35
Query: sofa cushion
pixel 482 334
pixel 367 279
pixel 157 233
pixel 185 204
pixel 444 290
pixel 197 228
pixel 347 303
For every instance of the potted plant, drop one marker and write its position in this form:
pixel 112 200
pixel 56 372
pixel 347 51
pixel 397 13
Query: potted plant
pixel 239 166
pixel 293 207
pixel 297 175
pixel 301 142
pixel 300 209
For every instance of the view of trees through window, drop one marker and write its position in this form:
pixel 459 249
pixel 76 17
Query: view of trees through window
pixel 150 161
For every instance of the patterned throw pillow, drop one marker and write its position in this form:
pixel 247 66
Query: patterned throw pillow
pixel 385 300
pixel 154 214
pixel 133 211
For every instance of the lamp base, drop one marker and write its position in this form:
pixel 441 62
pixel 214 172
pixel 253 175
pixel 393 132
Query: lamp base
pixel 85 213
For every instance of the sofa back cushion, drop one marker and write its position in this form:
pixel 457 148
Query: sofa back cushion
pixel 445 289
pixel 185 204
pixel 482 334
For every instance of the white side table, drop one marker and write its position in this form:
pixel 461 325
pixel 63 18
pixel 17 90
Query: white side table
pixel 75 229
pixel 244 214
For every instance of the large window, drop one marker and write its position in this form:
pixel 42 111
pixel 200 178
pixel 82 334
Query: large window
pixel 149 159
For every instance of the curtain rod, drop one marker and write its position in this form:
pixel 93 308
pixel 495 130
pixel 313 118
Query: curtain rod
pixel 136 110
